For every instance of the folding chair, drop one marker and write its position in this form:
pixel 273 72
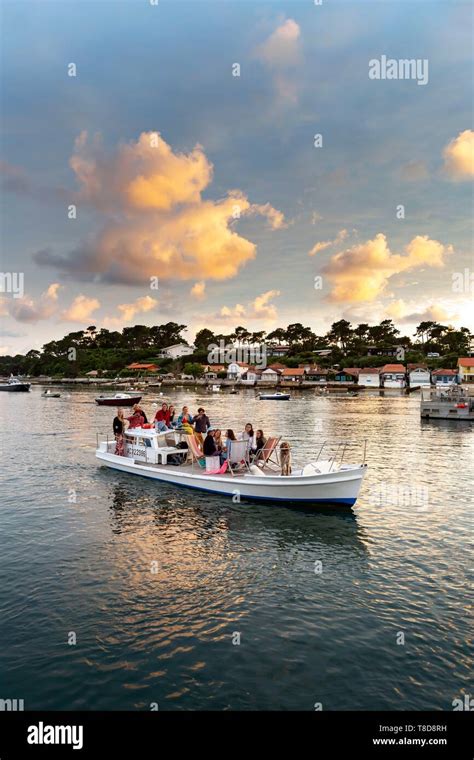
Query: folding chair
pixel 195 451
pixel 264 455
pixel 238 454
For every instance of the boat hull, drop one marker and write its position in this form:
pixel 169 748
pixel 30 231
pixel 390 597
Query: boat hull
pixel 118 401
pixel 16 388
pixel 338 488
pixel 274 397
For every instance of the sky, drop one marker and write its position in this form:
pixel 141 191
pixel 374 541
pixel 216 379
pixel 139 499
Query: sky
pixel 234 162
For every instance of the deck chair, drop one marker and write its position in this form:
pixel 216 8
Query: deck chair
pixel 194 451
pixel 265 456
pixel 237 455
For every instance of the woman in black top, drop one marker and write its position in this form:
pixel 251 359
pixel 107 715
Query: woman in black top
pixel 118 427
pixel 209 448
pixel 260 442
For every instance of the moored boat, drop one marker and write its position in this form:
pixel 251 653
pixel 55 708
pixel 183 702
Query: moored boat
pixel 120 399
pixel 274 396
pixel 153 455
pixel 14 385
pixel 452 403
pixel 50 394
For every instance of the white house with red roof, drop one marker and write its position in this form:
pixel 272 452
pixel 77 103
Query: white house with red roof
pixel 444 377
pixel 466 370
pixel 393 376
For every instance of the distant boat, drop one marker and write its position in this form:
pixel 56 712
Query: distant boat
pixel 120 399
pixel 14 385
pixel 274 396
pixel 49 394
pixel 233 391
pixel 453 403
pixel 215 388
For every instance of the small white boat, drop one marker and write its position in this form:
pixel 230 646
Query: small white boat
pixel 215 388
pixel 319 482
pixel 274 396
pixel 50 394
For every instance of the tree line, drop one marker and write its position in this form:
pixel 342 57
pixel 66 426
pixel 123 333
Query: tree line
pixel 110 351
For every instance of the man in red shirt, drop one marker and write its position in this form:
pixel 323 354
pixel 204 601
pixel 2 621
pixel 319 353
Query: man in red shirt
pixel 162 418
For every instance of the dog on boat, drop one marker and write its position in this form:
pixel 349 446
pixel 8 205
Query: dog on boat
pixel 285 458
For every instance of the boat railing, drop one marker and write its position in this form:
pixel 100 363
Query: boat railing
pixel 338 450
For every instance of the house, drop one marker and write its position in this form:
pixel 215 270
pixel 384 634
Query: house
pixel 466 370
pixel 176 351
pixel 251 376
pixel 270 375
pixel 316 375
pixel 393 376
pixel 212 370
pixel 348 375
pixel 370 377
pixel 386 351
pixel 292 374
pixel 140 367
pixel 277 350
pixel 235 370
pixel 418 375
pixel 444 377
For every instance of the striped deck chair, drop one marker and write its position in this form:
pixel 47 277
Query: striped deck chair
pixel 264 456
pixel 237 455
pixel 194 451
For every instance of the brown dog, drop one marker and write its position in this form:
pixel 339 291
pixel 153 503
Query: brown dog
pixel 285 458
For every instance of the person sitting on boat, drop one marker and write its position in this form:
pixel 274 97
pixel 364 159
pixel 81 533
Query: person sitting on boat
pixel 201 424
pixel 173 421
pixel 162 418
pixel 260 442
pixel 118 428
pixel 249 435
pixel 209 448
pixel 135 420
pixel 230 436
pixel 185 418
pixel 140 410
pixel 218 440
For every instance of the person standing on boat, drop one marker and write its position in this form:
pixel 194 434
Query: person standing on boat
pixel 118 427
pixel 201 424
pixel 162 418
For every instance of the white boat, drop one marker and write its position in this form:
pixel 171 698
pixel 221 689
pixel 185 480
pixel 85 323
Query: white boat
pixel 452 403
pixel 319 482
pixel 274 396
pixel 215 388
pixel 50 394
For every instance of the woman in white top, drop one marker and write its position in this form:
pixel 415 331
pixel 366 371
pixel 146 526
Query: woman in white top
pixel 249 435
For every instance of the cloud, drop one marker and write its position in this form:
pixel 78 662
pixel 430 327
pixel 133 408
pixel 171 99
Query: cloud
pixel 403 313
pixel 28 309
pixel 362 272
pixel 156 221
pixel 459 156
pixel 317 247
pixel 198 291
pixel 281 53
pixel 414 171
pixel 129 310
pixel 259 308
pixel 81 309
pixel 282 48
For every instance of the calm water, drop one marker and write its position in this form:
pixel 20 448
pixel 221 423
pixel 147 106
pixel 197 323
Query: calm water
pixel 396 564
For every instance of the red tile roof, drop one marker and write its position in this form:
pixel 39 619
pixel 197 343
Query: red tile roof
pixel 393 368
pixel 137 365
pixel 411 367
pixel 467 362
pixel 293 371
pixel 444 372
pixel 370 370
pixel 352 370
